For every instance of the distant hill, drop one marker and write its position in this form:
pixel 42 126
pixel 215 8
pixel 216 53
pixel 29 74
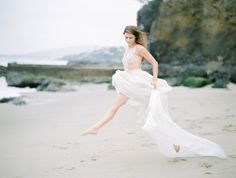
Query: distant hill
pixel 107 56
pixel 52 53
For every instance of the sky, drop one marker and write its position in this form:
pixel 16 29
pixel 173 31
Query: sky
pixel 33 25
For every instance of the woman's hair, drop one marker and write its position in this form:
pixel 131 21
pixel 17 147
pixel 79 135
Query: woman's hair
pixel 140 37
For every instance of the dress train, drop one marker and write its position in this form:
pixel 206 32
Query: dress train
pixel 152 106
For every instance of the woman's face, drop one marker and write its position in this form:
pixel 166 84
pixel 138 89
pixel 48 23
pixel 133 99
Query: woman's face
pixel 130 39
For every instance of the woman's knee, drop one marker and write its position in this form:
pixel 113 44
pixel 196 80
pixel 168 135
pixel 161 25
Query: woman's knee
pixel 117 104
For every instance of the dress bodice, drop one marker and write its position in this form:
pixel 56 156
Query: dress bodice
pixel 131 59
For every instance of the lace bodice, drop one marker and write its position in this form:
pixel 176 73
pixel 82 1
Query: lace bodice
pixel 131 59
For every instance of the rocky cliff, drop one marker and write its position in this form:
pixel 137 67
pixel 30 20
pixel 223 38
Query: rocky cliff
pixel 192 37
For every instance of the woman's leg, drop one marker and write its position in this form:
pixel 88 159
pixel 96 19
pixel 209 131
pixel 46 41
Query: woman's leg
pixel 116 104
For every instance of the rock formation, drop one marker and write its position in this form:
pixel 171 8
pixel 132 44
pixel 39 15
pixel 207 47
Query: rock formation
pixel 192 38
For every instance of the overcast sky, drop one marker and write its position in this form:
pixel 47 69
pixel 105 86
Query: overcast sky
pixel 32 25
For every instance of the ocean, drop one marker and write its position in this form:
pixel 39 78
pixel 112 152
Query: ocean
pixel 35 61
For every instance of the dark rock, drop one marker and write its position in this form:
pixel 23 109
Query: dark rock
pixel 220 78
pixel 41 83
pixel 6 100
pixel 110 86
pixel 3 71
pixel 22 79
pixel 233 76
pixel 220 83
pixel 19 101
pixel 51 85
pixel 147 14
pixel 14 100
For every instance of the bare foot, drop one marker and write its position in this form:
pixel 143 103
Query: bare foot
pixel 176 147
pixel 91 131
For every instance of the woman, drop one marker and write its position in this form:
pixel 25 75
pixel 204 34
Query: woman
pixel 147 93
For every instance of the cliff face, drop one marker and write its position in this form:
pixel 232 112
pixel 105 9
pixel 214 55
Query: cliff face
pixel 201 33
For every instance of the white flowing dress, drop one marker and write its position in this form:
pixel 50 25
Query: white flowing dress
pixel 151 105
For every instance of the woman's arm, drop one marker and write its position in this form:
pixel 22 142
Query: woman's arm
pixel 143 52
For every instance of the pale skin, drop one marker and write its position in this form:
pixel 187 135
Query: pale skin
pixel 121 99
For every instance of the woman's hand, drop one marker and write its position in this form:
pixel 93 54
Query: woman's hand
pixel 154 83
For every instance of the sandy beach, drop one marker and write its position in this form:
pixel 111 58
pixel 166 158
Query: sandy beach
pixel 42 139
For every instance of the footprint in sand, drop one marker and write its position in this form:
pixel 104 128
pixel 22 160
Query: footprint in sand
pixel 147 144
pixel 70 168
pixel 207 117
pixel 59 168
pixel 232 156
pixel 195 126
pixel 131 148
pixel 229 128
pixel 94 158
pixel 177 160
pixel 106 140
pixel 208 133
pixel 60 147
pixel 230 116
pixel 187 120
pixel 205 164
pixel 130 133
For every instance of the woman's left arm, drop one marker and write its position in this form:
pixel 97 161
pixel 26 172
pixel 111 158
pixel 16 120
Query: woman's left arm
pixel 143 52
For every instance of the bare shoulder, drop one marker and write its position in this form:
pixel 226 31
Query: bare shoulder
pixel 140 48
pixel 143 52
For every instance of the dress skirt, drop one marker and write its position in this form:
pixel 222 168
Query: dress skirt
pixel 152 107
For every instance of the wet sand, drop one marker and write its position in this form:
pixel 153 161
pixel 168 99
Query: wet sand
pixel 42 139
